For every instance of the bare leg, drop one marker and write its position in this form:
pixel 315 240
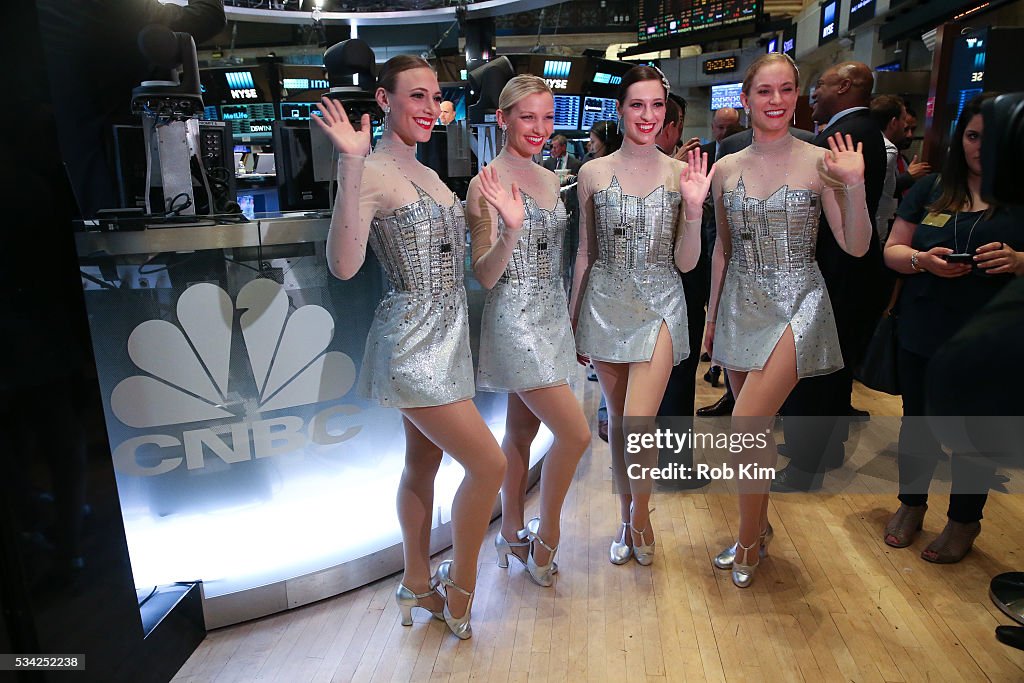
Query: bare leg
pixel 614 378
pixel 561 412
pixel 458 430
pixel 635 390
pixel 645 390
pixel 415 510
pixel 521 428
pixel 759 395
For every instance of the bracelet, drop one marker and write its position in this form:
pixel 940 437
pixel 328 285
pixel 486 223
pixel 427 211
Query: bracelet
pixel 913 262
pixel 850 187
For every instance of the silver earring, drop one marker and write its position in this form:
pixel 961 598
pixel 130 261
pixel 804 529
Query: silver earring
pixel 387 118
pixel 746 110
pixel 618 126
pixel 504 136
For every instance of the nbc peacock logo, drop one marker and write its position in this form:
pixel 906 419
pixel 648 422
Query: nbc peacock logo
pixel 187 373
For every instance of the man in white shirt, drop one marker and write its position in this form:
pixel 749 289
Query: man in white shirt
pixel 889 114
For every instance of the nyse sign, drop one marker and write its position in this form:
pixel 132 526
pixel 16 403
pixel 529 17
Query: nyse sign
pixel 557 83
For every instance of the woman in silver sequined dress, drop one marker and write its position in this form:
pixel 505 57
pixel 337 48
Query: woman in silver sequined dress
pixel 417 355
pixel 640 213
pixel 526 345
pixel 772 322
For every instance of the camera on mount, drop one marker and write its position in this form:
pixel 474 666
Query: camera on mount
pixel 177 96
pixel 350 68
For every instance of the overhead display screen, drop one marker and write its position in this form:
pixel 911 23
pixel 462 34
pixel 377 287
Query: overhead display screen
pixel 598 109
pixel 567 111
pixel 861 11
pixel 249 121
pixel 726 95
pixel 667 18
pixel 829 27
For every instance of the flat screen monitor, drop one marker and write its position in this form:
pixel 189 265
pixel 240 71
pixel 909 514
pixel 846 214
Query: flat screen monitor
pixel 302 82
pixel 293 157
pixel 726 95
pixel 249 121
pixel 298 111
pixel 456 94
pixel 667 18
pixel 598 109
pixel 567 112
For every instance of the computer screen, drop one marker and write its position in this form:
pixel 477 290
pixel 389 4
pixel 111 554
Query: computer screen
pixel 598 109
pixel 456 94
pixel 726 95
pixel 249 121
pixel 567 112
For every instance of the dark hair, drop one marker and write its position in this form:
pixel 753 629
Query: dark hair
pixel 388 74
pixel 675 110
pixel 911 112
pixel 608 133
pixel 953 181
pixel 765 60
pixel 637 74
pixel 885 108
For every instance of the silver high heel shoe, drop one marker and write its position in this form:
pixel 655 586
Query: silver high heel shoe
pixel 503 547
pixel 725 558
pixel 743 573
pixel 643 552
pixel 406 600
pixel 542 575
pixel 461 626
pixel 620 551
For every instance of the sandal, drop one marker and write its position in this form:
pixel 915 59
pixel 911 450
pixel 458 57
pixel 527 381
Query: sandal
pixel 953 544
pixel 903 527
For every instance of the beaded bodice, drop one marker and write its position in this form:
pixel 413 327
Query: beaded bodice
pixel 422 246
pixel 538 254
pixel 778 233
pixel 633 232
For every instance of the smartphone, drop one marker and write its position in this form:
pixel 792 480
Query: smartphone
pixel 959 258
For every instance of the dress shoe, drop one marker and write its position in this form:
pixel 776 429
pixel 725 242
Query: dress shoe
pixel 719 408
pixel 713 376
pixel 1011 635
pixel 792 480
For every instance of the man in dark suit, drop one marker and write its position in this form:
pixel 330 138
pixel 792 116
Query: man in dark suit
pixel 817 412
pixel 560 158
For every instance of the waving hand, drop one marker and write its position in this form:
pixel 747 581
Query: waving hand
pixel 343 136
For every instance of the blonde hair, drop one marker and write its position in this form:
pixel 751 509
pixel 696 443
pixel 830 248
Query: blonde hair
pixel 519 87
pixel 765 60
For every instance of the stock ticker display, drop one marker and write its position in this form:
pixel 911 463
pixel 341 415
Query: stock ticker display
pixel 666 18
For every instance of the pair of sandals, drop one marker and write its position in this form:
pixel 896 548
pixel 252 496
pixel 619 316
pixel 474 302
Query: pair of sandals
pixel 949 547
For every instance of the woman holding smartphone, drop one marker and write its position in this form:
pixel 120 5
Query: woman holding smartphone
pixel 956 251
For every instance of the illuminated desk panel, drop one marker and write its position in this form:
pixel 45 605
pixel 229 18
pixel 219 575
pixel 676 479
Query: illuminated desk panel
pixel 227 357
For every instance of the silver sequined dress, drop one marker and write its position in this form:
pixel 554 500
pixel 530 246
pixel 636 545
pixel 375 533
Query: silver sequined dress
pixel 773 281
pixel 417 350
pixel 525 336
pixel 634 285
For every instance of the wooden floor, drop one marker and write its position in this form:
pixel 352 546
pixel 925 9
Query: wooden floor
pixel 832 602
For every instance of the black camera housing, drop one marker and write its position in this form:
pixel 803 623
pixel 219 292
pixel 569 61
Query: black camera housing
pixel 1002 175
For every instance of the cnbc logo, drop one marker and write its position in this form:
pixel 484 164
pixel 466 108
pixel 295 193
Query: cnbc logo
pixel 185 378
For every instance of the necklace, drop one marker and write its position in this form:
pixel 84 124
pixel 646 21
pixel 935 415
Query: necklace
pixel 967 244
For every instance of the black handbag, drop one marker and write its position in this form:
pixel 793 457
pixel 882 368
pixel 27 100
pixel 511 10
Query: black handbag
pixel 878 367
